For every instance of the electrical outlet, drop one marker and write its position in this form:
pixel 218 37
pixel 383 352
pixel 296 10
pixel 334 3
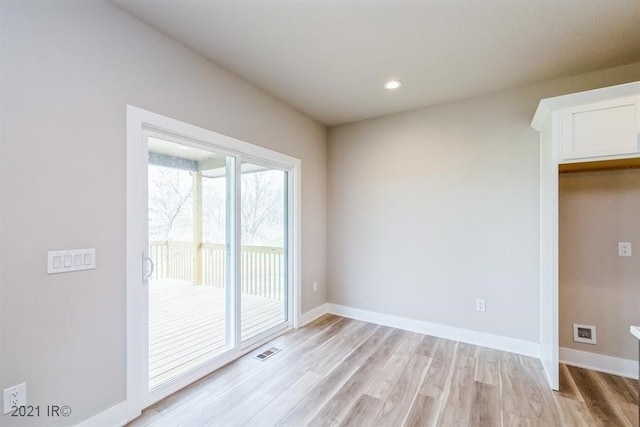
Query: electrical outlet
pixel 624 248
pixel 14 396
pixel 315 286
pixel 480 305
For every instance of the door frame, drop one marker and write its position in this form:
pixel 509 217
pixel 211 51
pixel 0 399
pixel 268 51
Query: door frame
pixel 136 216
pixel 548 120
pixel 549 270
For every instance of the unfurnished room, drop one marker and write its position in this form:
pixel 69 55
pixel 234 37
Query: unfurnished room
pixel 319 213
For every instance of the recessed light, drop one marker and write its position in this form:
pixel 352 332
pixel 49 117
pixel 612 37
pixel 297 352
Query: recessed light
pixel 393 84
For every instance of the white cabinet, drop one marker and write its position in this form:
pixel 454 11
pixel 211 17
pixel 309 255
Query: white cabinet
pixel 600 130
pixel 601 124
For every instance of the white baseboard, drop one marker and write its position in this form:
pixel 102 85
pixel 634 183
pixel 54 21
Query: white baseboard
pixel 498 342
pixel 114 416
pixel 313 314
pixel 599 362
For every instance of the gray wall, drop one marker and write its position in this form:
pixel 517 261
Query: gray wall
pixel 69 68
pixel 433 208
pixel 598 287
pixel 429 209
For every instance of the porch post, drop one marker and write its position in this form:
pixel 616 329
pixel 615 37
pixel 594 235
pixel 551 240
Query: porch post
pixel 197 228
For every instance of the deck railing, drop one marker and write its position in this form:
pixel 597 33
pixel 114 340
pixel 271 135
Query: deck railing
pixel 261 266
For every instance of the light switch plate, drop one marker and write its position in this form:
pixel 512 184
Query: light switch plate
pixel 70 260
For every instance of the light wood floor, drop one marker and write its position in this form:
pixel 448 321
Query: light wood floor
pixel 338 371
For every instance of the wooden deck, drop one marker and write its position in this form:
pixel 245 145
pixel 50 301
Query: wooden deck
pixel 187 325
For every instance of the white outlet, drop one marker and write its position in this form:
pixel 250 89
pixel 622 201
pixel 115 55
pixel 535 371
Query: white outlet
pixel 480 305
pixel 624 248
pixel 14 396
pixel 315 286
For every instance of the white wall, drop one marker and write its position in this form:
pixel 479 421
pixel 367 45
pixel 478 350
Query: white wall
pixel 433 208
pixel 69 68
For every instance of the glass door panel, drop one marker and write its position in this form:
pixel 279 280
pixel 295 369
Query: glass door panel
pixel 188 211
pixel 263 254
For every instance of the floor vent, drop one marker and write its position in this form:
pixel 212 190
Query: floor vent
pixel 267 353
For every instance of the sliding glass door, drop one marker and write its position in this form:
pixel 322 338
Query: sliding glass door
pixel 263 261
pixel 189 227
pixel 217 264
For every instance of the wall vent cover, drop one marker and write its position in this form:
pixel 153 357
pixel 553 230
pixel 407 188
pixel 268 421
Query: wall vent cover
pixel 267 353
pixel 584 333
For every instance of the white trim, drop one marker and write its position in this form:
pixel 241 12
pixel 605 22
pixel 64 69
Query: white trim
pixel 548 309
pixel 599 362
pixel 295 241
pixel 135 228
pixel 313 314
pixel 114 416
pixel 548 105
pixel 140 121
pixel 512 345
pixel 547 120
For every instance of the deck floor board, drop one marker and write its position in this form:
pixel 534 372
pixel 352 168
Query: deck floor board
pixel 187 324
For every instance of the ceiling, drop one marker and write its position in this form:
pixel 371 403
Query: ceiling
pixel 330 58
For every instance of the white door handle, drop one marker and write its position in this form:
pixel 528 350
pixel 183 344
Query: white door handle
pixel 147 268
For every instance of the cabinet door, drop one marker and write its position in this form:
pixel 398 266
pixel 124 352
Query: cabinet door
pixel 601 130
